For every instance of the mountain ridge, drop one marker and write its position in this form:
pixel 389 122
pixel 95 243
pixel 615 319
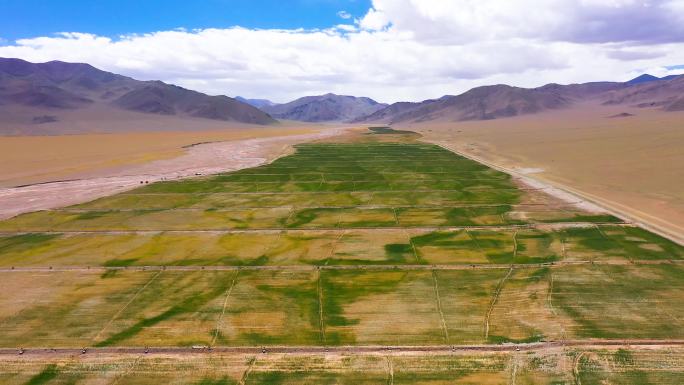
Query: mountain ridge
pixel 325 108
pixel 47 88
pixel 501 101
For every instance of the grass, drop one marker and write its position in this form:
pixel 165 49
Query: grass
pixel 385 199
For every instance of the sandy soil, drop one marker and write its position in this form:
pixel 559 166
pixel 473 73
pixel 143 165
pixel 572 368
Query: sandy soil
pixel 201 159
pixel 36 159
pixel 633 166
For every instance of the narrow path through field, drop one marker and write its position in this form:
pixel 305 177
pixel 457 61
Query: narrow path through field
pixel 275 230
pixel 127 370
pixel 321 322
pixel 497 292
pixel 515 244
pixel 438 299
pixel 345 350
pixel 248 370
pixel 390 370
pixel 575 368
pixel 118 313
pixel 464 266
pixel 219 321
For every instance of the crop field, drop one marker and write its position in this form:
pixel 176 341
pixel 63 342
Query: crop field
pixel 368 240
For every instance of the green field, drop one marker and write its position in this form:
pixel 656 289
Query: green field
pixel 381 240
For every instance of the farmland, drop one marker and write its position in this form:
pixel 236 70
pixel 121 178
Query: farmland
pixel 371 239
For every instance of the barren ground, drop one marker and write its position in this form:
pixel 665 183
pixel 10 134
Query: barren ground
pixel 93 166
pixel 632 165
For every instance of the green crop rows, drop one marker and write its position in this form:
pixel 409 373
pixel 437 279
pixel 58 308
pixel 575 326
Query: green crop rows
pixel 378 241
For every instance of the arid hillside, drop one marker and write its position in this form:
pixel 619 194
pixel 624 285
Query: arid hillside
pixel 503 101
pixel 325 108
pixel 35 96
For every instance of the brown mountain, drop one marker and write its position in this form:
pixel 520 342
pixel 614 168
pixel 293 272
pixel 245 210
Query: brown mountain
pixel 30 90
pixel 666 94
pixel 500 101
pixel 325 108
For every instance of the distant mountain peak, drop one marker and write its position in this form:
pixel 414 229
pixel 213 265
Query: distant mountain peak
pixel 644 78
pixel 328 107
pixel 258 103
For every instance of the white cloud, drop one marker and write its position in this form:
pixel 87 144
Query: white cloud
pixel 344 15
pixel 401 50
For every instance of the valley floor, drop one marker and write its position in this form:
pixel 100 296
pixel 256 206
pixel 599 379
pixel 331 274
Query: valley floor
pixel 368 257
pixel 70 169
pixel 632 165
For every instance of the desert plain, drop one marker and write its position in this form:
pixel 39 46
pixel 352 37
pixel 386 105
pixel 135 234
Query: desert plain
pixel 632 164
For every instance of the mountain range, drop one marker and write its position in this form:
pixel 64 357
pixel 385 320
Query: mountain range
pixel 38 95
pixel 501 101
pixel 325 108
pixel 258 103
pixel 41 90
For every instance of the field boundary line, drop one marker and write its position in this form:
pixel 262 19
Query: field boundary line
pixel 575 369
pixel 548 297
pixel 472 237
pixel 334 245
pixel 390 370
pixel 413 246
pixel 127 370
pixel 321 323
pixel 514 368
pixel 515 244
pixel 247 371
pixel 219 321
pixel 497 292
pixel 530 226
pixel 369 349
pixel 118 313
pixel 384 267
pixel 443 324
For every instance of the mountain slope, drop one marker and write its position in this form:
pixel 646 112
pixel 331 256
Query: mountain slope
pixel 665 94
pixel 481 103
pixel 645 78
pixel 500 101
pixel 28 90
pixel 323 108
pixel 258 103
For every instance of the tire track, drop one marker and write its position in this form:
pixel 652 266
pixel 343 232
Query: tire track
pixel 223 311
pixel 443 324
pixel 499 288
pixel 118 313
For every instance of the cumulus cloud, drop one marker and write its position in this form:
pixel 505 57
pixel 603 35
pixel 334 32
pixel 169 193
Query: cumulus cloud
pixel 596 21
pixel 400 50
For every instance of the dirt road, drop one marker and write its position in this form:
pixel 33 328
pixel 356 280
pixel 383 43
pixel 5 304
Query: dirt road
pixel 332 350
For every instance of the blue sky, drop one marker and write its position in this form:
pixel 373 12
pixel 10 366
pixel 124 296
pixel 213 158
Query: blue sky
pixel 30 18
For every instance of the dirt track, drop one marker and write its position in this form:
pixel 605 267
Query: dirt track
pixel 275 230
pixel 332 350
pixel 474 266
